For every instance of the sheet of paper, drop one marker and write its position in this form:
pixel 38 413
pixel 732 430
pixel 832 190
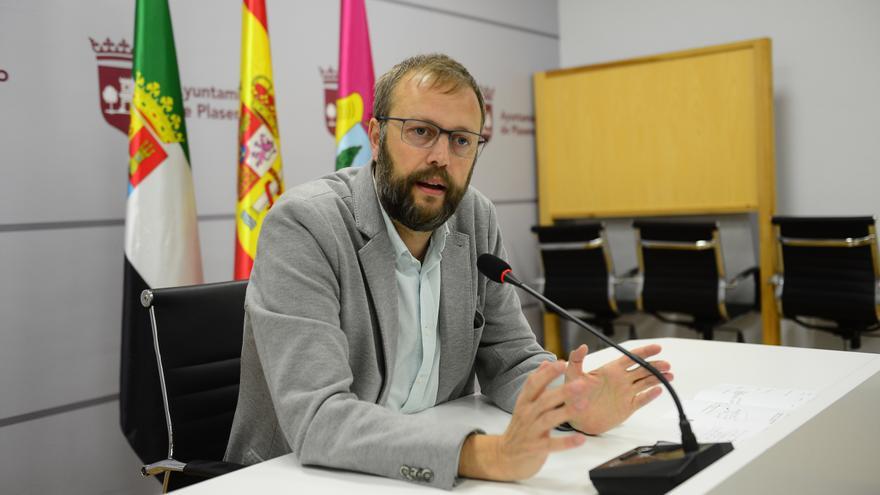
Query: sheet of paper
pixel 786 399
pixel 733 413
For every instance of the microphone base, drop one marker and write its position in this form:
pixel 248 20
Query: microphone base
pixel 655 468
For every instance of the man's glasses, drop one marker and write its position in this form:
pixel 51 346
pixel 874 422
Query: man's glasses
pixel 423 134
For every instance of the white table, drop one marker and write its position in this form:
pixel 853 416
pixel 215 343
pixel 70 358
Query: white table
pixel 825 446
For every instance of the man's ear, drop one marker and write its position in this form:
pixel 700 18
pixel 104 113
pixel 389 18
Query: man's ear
pixel 374 137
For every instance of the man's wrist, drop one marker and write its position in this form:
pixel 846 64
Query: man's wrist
pixel 479 457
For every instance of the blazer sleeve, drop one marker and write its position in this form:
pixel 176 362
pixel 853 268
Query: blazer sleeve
pixel 508 351
pixel 294 306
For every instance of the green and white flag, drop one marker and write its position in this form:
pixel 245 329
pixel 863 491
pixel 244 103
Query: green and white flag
pixel 161 228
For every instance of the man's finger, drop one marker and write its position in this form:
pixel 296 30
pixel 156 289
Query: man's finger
pixel 553 418
pixel 643 352
pixel 646 383
pixel 650 381
pixel 539 379
pixel 645 397
pixel 575 367
pixel 570 441
pixel 639 372
pixel 574 393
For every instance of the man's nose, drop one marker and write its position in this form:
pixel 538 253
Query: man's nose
pixel 439 152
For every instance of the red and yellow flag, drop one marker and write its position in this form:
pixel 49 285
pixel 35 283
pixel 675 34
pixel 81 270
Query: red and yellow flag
pixel 260 180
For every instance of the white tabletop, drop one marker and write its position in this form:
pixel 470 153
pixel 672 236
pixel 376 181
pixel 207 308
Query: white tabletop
pixel 697 365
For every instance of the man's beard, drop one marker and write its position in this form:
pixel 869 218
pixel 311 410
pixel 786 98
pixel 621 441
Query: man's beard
pixel 397 197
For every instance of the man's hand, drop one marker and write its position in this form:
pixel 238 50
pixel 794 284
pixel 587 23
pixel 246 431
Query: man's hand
pixel 615 390
pixel 521 451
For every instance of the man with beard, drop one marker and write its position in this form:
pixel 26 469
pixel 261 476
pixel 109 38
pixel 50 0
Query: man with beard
pixel 365 305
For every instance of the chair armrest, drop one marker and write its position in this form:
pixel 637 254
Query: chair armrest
pixel 627 276
pixel 202 469
pixel 748 272
pixel 163 466
pixel 777 280
pixel 753 272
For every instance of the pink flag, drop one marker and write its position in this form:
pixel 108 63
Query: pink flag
pixel 354 104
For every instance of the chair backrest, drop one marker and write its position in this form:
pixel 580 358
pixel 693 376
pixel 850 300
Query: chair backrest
pixel 197 333
pixel 577 267
pixel 829 268
pixel 681 268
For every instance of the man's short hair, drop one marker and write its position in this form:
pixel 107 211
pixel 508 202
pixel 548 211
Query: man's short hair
pixel 441 71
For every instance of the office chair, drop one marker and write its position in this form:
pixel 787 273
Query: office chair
pixel 579 274
pixel 197 334
pixel 681 273
pixel 829 270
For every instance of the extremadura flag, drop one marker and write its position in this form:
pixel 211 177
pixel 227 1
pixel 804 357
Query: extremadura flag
pixel 161 228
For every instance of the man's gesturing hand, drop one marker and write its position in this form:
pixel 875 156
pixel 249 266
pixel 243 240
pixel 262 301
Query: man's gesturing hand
pixel 521 451
pixel 614 391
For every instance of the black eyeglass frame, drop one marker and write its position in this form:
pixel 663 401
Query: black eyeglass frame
pixel 481 140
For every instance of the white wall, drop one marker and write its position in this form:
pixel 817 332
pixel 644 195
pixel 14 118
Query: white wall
pixel 62 187
pixel 825 76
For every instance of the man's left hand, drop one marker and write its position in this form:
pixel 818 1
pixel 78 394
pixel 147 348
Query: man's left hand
pixel 615 390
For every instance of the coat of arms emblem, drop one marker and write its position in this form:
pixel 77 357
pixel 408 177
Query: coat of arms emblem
pixel 115 85
pixel 330 77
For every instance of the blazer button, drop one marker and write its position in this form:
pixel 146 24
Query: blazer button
pixel 427 475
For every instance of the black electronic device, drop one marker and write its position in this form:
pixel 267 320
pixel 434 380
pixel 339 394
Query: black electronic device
pixel 650 469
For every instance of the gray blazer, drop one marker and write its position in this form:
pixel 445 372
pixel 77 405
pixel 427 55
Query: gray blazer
pixel 321 328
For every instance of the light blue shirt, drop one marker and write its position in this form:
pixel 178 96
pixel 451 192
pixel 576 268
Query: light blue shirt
pixel 416 368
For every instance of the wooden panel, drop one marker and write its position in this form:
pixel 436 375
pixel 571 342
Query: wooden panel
pixel 682 133
pixel 661 135
pixel 766 189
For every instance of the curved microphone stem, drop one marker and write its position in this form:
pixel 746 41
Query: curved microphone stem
pixel 688 440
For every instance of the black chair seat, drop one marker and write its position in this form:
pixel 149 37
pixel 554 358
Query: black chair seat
pixel 682 272
pixel 830 272
pixel 197 331
pixel 578 272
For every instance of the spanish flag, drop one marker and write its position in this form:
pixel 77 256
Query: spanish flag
pixel 354 105
pixel 260 180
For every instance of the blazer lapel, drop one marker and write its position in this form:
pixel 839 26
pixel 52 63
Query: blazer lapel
pixel 456 318
pixel 377 262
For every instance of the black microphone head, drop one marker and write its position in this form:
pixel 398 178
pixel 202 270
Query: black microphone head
pixel 493 267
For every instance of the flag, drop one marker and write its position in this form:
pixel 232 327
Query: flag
pixel 260 179
pixel 161 228
pixel 354 105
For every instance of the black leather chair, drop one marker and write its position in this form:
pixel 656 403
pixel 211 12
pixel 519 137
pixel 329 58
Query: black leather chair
pixel 579 273
pixel 682 279
pixel 197 334
pixel 829 271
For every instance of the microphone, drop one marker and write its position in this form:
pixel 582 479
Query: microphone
pixel 646 469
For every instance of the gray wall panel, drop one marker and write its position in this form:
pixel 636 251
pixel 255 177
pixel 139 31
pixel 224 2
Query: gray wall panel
pixel 218 247
pixel 78 452
pixel 59 155
pixel 539 16
pixel 61 310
